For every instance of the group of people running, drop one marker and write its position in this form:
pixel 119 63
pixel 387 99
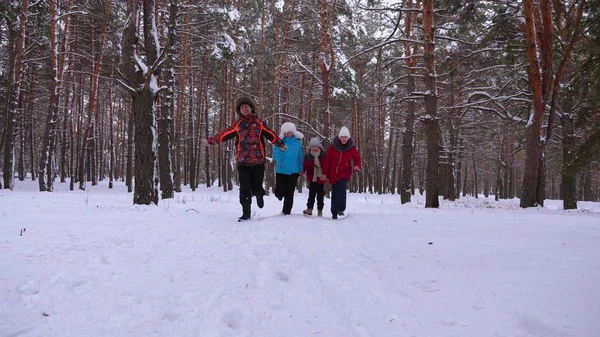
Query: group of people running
pixel 319 166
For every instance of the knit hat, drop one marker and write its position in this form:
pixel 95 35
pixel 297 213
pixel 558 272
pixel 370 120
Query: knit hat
pixel 315 141
pixel 245 100
pixel 290 127
pixel 344 132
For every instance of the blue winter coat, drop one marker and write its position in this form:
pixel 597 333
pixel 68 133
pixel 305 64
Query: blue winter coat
pixel 290 160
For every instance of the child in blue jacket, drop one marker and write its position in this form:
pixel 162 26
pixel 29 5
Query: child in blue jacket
pixel 289 165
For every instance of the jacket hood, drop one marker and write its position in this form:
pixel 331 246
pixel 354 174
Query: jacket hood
pixel 335 142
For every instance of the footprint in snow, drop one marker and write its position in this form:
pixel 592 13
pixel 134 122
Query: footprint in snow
pixel 232 319
pixel 283 276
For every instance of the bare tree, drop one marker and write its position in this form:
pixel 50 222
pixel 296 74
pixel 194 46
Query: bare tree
pixel 140 78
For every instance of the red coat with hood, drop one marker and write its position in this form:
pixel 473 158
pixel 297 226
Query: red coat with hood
pixel 338 162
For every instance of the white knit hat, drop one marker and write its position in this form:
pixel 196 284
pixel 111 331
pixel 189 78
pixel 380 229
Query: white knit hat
pixel 344 132
pixel 315 141
pixel 290 127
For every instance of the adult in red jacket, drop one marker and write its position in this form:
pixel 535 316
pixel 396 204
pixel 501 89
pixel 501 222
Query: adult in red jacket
pixel 249 133
pixel 340 160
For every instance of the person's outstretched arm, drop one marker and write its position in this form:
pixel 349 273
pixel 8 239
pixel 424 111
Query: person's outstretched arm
pixel 225 135
pixel 272 137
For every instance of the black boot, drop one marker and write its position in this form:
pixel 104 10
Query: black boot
pixel 260 201
pixel 245 210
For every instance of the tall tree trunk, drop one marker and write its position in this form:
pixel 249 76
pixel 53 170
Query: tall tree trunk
pixel 464 184
pixel 141 80
pixel 64 142
pixel 130 143
pixel 453 133
pixel 45 173
pixel 145 191
pixel 191 140
pixel 475 176
pixel 15 75
pixel 406 174
pixel 431 122
pixel 327 59
pixel 209 180
pixel 30 125
pixel 538 82
pixel 111 138
pixel 167 109
pixel 23 98
pixel 90 148
pixel 588 191
pixel 72 153
pixel 459 181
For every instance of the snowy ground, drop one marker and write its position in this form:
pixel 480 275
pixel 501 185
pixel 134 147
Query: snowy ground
pixel 92 264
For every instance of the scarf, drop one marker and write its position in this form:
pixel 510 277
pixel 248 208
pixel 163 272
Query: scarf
pixel 318 171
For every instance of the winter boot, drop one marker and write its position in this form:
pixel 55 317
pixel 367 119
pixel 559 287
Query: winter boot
pixel 245 210
pixel 334 216
pixel 308 211
pixel 260 201
pixel 320 213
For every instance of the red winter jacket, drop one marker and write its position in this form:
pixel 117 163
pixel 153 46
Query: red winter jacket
pixel 309 166
pixel 249 133
pixel 338 160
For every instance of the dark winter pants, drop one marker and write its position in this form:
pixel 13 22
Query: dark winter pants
pixel 315 190
pixel 251 183
pixel 285 184
pixel 338 196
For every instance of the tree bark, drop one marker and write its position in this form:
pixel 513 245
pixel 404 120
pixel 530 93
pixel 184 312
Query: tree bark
pixel 15 75
pixel 167 109
pixel 46 178
pixel 529 190
pixel 130 146
pixel 431 122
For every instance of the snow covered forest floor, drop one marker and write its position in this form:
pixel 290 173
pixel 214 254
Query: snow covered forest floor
pixel 92 264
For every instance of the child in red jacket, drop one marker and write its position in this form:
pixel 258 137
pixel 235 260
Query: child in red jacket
pixel 313 168
pixel 341 159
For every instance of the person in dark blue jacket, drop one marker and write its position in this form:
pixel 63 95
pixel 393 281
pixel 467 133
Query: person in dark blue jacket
pixel 289 165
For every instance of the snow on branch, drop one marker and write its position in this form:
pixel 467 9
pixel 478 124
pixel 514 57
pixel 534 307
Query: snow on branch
pixel 502 112
pixel 306 124
pixel 125 85
pixel 442 37
pixel 383 44
pixel 59 17
pixel 497 67
pixel 390 8
pixel 470 53
pixel 299 61
pixel 140 63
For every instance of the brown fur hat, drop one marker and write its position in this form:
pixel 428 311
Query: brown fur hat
pixel 245 100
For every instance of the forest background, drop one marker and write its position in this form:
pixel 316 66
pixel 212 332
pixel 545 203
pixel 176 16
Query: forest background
pixel 450 98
